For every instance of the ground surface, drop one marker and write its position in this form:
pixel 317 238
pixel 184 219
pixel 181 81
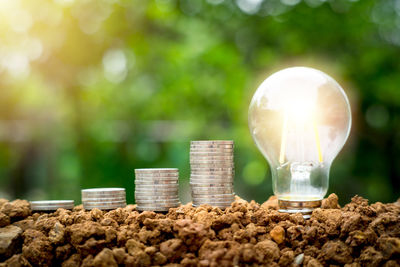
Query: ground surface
pixel 244 234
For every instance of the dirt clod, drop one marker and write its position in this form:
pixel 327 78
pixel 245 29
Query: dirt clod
pixel 246 233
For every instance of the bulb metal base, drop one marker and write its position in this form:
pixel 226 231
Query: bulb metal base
pixel 303 207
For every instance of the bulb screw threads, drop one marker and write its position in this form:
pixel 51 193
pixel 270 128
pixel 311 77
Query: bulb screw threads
pixel 303 207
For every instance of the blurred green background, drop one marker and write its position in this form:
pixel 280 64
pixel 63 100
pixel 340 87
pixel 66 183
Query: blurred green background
pixel 92 89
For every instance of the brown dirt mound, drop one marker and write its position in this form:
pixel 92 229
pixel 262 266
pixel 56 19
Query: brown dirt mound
pixel 244 234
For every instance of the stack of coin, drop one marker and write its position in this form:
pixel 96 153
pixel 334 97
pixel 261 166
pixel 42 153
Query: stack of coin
pixel 156 189
pixel 212 173
pixel 51 205
pixel 103 198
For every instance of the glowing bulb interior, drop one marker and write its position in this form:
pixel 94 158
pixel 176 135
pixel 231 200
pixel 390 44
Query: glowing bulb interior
pixel 300 119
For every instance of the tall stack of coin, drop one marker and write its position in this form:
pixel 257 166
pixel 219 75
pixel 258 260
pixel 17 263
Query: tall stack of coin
pixel 212 173
pixel 103 198
pixel 156 189
pixel 51 205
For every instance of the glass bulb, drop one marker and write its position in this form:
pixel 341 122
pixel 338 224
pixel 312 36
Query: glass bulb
pixel 300 119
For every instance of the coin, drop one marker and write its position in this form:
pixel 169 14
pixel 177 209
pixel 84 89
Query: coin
pixel 153 208
pixel 206 166
pixel 104 203
pixel 104 200
pixel 156 170
pixel 103 190
pixel 156 186
pixel 156 183
pixel 212 142
pixel 156 180
pixel 210 160
pixel 157 207
pixel 174 205
pixel 147 197
pixel 51 204
pixel 223 206
pixel 150 175
pixel 204 177
pixel 157 201
pixel 199 193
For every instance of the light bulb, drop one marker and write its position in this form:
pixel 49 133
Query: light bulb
pixel 300 119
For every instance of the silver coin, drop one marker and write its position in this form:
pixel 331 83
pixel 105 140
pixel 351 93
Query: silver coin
pixel 214 197
pixel 103 208
pixel 212 142
pixel 52 203
pixel 122 200
pixel 213 205
pixel 95 200
pixel 166 177
pixel 50 208
pixel 90 204
pixel 99 205
pixel 226 166
pixel 208 161
pixel 218 201
pixel 213 169
pixel 103 193
pixel 157 186
pixel 156 208
pixel 211 187
pixel 152 193
pixel 149 208
pixel 156 183
pixel 103 190
pixel 219 162
pixel 155 175
pixel 157 170
pixel 152 209
pixel 106 193
pixel 157 201
pixel 152 179
pixel 196 193
pixel 141 197
pixel 155 191
pixel 211 182
pixel 212 173
pixel 208 176
pixel 211 153
pixel 158 205
pixel 223 179
pixel 212 176
pixel 222 151
pixel 156 178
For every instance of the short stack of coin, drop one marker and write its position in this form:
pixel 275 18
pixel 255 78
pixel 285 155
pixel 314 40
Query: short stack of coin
pixel 156 189
pixel 212 173
pixel 103 198
pixel 51 205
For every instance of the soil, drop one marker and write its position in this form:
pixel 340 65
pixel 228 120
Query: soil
pixel 245 234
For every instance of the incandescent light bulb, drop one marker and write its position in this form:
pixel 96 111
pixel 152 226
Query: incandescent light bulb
pixel 300 119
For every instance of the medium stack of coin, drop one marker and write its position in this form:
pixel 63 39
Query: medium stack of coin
pixel 156 189
pixel 103 198
pixel 51 205
pixel 212 173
